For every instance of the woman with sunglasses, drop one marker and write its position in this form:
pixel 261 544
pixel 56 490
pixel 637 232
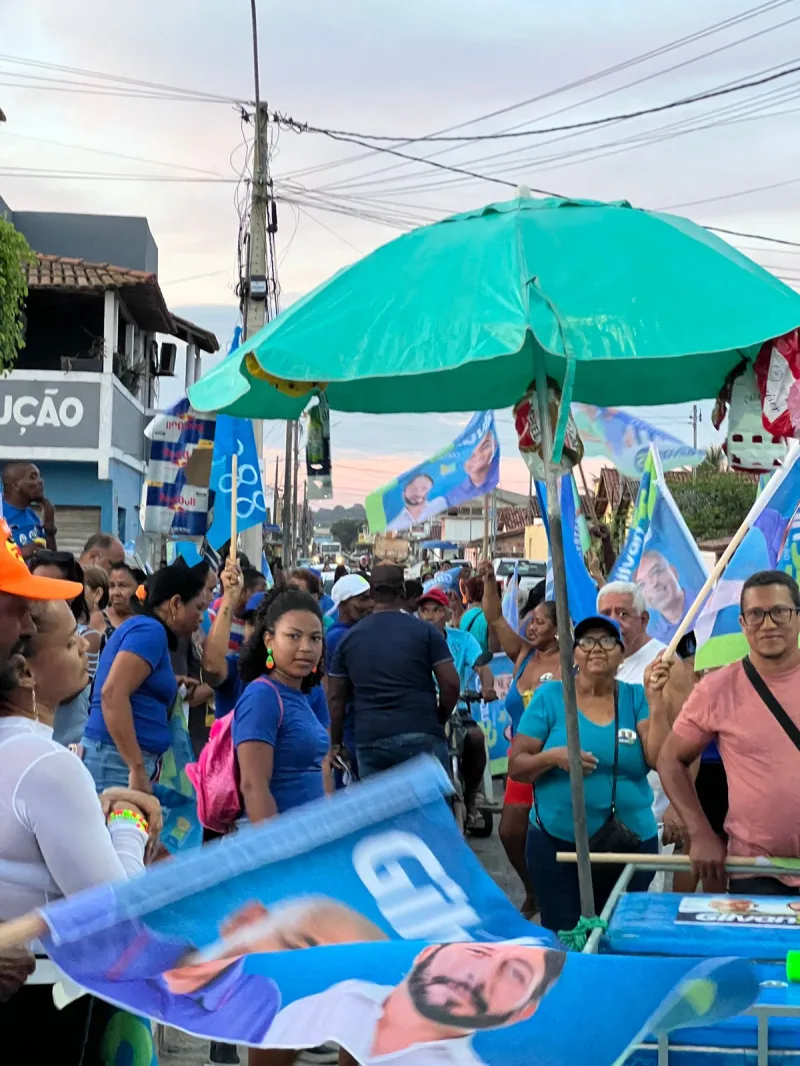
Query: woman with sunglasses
pixel 619 743
pixel 71 716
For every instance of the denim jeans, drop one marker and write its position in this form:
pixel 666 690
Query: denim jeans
pixel 392 751
pixel 556 883
pixel 107 766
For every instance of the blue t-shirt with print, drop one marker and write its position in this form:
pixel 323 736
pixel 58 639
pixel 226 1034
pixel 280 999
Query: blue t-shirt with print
pixel 544 719
pixel 465 651
pixel 298 738
pixel 145 637
pixel 25 525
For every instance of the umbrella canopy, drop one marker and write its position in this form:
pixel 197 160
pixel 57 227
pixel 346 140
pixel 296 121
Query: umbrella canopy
pixel 453 316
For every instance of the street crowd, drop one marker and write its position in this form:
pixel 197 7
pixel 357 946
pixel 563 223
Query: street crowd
pixel 313 692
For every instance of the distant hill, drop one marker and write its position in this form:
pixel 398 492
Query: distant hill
pixel 327 515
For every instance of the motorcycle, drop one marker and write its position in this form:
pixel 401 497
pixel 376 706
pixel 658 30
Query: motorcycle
pixel 456 732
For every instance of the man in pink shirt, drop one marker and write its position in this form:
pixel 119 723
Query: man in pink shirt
pixel 761 760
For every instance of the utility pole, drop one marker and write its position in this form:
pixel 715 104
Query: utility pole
pixel 295 513
pixel 257 289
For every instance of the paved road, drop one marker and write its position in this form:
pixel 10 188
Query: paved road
pixel 186 1051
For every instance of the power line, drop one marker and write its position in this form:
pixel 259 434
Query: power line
pixel 730 195
pixel 362 138
pixel 118 78
pixel 577 83
pixel 752 236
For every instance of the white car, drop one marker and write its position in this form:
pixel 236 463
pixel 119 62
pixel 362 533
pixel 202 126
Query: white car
pixel 530 572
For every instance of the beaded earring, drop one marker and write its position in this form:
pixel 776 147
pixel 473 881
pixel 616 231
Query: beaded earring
pixel 270 660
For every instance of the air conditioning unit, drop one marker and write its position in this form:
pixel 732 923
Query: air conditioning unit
pixel 166 362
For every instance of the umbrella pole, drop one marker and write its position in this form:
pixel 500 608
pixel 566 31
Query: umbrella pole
pixel 565 649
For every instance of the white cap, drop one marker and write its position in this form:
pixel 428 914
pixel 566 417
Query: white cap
pixel 349 586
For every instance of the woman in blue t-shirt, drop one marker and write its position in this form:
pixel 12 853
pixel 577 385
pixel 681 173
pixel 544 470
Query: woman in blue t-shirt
pixel 280 736
pixel 612 716
pixel 135 685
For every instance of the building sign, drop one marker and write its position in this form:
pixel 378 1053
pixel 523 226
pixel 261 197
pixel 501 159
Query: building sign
pixel 48 414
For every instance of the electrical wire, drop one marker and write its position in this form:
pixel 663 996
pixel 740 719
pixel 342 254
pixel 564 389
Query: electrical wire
pixel 578 82
pixel 592 123
pixel 731 195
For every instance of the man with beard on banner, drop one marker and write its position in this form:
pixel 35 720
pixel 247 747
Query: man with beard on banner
pixel 451 992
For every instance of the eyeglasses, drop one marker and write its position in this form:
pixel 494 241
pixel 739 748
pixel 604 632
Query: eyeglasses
pixel 604 643
pixel 780 615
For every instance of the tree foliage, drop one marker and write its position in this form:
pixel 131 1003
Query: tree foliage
pixel 15 253
pixel 346 532
pixel 715 504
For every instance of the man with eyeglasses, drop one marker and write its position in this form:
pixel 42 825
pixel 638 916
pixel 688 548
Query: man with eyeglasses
pixel 760 755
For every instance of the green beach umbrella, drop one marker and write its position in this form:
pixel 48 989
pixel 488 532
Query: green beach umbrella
pixel 452 317
pixel 617 305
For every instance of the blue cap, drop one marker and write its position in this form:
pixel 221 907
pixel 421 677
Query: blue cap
pixel 253 603
pixel 598 621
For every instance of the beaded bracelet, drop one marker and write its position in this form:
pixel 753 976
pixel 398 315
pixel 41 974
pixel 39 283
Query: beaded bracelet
pixel 127 815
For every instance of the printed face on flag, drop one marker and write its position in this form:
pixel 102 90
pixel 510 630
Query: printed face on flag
pixel 468 468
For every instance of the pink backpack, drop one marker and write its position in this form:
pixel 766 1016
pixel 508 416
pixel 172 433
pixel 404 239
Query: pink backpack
pixel 215 775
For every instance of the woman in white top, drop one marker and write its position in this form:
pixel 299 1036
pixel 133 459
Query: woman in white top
pixel 54 837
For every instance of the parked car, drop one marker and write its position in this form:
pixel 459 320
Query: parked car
pixel 530 572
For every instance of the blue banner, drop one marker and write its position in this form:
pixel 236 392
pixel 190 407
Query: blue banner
pixel 365 920
pixel 660 555
pixel 235 436
pixel 493 717
pixel 608 433
pixel 466 469
pixel 771 543
pixel 581 589
pixel 182 828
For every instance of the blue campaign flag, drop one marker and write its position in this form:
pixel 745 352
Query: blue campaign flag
pixel 771 543
pixel 510 604
pixel 235 436
pixel 467 468
pixel 581 589
pixel 363 920
pixel 266 570
pixel 609 433
pixel 660 555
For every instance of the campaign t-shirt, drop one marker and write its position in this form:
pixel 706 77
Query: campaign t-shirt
pixel 465 651
pixel 474 622
pixel 298 738
pixel 145 637
pixel 25 525
pixel 632 672
pixel 388 658
pixel 544 719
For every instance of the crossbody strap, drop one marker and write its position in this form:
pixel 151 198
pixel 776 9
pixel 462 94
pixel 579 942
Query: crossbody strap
pixel 773 706
pixel 276 690
pixel 616 751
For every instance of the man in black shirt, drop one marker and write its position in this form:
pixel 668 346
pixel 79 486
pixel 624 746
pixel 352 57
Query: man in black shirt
pixel 387 665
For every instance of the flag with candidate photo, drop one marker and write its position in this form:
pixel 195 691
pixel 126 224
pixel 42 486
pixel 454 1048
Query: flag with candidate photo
pixel 660 554
pixel 365 920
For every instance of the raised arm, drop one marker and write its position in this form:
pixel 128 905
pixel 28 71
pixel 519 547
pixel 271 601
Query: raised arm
pixel 511 642
pixel 215 649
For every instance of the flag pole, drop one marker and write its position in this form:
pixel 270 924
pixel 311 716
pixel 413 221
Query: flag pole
pixel 233 554
pixel 760 504
pixel 565 648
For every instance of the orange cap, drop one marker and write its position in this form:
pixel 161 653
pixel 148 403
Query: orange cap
pixel 17 580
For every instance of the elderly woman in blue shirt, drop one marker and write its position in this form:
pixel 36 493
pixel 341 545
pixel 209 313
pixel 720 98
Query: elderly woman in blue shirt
pixel 619 744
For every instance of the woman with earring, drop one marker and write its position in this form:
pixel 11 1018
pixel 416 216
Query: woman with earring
pixel 56 837
pixel 135 687
pixel 536 660
pixel 279 728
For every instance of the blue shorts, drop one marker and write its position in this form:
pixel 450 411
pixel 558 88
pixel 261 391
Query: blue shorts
pixel 107 766
pixel 392 751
